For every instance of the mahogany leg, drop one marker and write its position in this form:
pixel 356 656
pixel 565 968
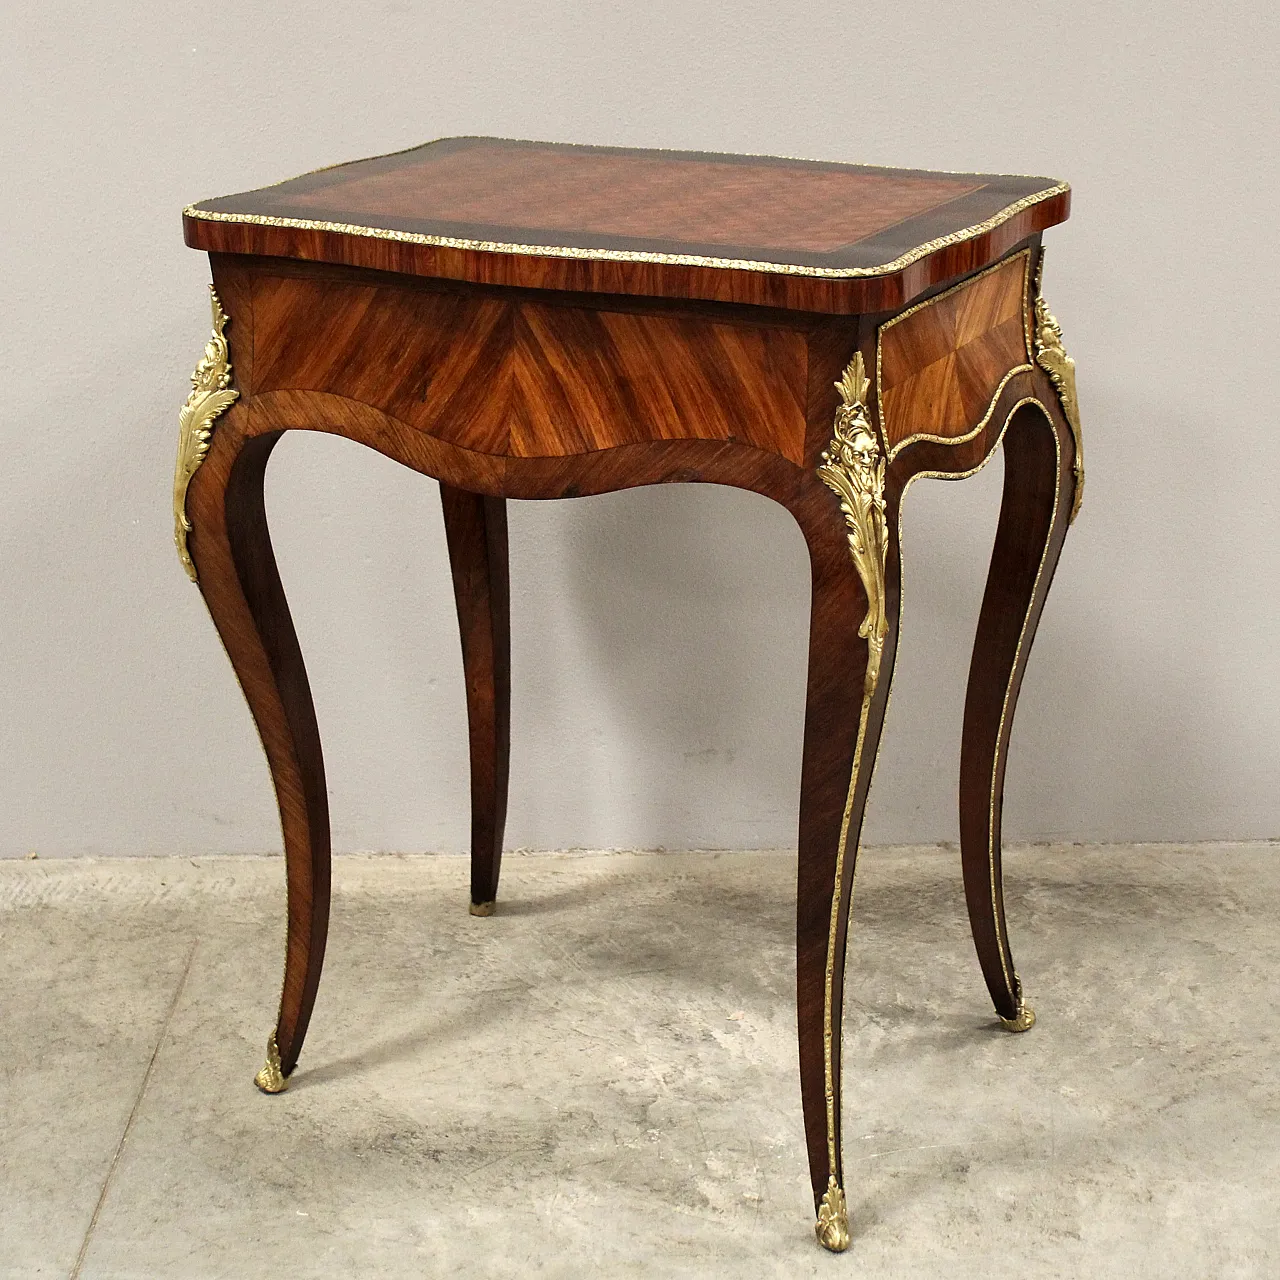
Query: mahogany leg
pixel 231 548
pixel 476 531
pixel 1033 523
pixel 843 718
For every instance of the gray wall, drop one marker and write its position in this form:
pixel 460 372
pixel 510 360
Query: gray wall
pixel 659 635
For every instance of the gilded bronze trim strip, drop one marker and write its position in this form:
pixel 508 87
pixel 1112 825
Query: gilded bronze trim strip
pixel 853 467
pixel 636 255
pixel 1025 254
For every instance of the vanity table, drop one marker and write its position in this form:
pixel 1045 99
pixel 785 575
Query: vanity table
pixel 524 320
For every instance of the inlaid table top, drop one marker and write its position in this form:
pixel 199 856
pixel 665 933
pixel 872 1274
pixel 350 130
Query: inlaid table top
pixel 795 233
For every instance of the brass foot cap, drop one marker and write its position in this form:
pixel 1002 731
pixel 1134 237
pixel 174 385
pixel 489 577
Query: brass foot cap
pixel 271 1079
pixel 482 908
pixel 832 1226
pixel 1023 1020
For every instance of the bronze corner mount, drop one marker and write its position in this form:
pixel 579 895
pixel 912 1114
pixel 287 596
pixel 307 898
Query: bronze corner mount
pixel 211 394
pixel 1052 357
pixel 853 467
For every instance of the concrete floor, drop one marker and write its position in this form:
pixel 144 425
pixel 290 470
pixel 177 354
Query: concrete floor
pixel 601 1079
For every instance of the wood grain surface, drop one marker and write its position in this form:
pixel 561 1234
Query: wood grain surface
pixel 942 362
pixel 798 234
pixel 695 204
pixel 509 375
pixel 476 531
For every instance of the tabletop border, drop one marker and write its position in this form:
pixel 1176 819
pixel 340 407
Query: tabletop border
pixel 639 255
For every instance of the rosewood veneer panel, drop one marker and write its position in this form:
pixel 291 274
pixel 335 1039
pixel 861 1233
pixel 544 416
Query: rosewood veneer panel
pixel 942 363
pixel 431 360
pixel 586 380
pixel 526 379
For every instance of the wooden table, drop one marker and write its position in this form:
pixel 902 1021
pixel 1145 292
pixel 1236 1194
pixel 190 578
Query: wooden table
pixel 523 320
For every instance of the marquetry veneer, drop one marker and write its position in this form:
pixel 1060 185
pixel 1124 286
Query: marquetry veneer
pixel 524 320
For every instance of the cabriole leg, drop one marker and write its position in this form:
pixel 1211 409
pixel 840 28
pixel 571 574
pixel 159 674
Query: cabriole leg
pixel 476 530
pixel 1038 487
pixel 231 553
pixel 851 648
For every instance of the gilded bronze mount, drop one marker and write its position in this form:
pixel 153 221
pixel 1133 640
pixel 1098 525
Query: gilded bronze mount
pixel 1052 357
pixel 270 1079
pixel 853 467
pixel 211 394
